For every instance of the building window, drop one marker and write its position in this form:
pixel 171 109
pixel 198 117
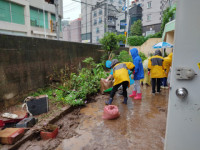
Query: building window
pixel 85 36
pixel 95 14
pixel 11 12
pixel 100 19
pixel 37 18
pixel 95 21
pixel 100 11
pixel 111 1
pixel 149 17
pixel 97 39
pixel 148 4
pixel 97 30
pixel 122 24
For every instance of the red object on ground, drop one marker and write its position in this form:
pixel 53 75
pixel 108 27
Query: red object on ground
pixel 45 135
pixel 22 114
pixel 11 135
pixel 2 124
pixel 110 112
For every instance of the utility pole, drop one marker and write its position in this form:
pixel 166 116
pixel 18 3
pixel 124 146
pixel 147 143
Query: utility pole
pixel 86 19
pixel 57 19
pixel 127 20
pixel 125 12
pixel 45 35
pixel 107 16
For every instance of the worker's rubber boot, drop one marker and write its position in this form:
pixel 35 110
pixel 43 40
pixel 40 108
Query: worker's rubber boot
pixel 125 100
pixel 138 96
pixel 133 94
pixel 109 102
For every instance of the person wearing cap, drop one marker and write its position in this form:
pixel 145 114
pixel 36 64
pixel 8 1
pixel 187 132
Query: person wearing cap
pixel 121 77
pixel 156 70
pixel 108 65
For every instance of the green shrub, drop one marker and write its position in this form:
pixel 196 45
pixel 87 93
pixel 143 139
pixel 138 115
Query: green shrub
pixel 156 35
pixel 136 40
pixel 139 40
pixel 78 86
pixel 124 56
pixel 143 56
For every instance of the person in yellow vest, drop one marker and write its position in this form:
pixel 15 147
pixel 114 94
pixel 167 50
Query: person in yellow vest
pixel 121 77
pixel 157 70
pixel 167 65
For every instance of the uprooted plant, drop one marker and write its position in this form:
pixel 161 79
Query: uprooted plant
pixel 77 87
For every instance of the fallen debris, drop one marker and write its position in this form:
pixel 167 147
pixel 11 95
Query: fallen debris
pixel 11 135
pixel 9 115
pixel 49 131
pixel 26 123
pixel 37 105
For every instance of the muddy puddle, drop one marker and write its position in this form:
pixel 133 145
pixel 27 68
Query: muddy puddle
pixel 141 125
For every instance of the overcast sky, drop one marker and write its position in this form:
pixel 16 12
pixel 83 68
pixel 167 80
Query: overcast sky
pixel 71 9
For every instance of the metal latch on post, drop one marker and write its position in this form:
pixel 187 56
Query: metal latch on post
pixel 183 73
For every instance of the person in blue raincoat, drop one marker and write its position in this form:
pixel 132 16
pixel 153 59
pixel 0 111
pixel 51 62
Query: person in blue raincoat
pixel 138 75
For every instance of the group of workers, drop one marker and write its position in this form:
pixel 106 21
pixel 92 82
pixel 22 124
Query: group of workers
pixel 155 67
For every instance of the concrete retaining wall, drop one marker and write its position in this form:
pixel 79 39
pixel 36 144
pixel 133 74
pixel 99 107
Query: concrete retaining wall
pixel 27 62
pixel 147 46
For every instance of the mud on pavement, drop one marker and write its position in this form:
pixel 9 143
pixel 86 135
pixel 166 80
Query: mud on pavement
pixel 141 126
pixel 67 125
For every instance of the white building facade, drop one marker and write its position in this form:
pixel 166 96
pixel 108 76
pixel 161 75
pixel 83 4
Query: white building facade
pixel 151 16
pixel 94 18
pixel 28 18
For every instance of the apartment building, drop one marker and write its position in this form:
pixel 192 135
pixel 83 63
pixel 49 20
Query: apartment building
pixel 151 16
pixel 91 12
pixel 72 31
pixel 103 20
pixel 135 13
pixel 28 18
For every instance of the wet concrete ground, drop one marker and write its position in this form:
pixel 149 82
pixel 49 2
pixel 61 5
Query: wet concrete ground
pixel 141 125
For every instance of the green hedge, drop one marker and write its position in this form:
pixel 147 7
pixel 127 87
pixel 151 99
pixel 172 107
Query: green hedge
pixel 136 40
pixel 156 35
pixel 139 40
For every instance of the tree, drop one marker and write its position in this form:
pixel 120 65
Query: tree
pixel 136 28
pixel 167 16
pixel 110 42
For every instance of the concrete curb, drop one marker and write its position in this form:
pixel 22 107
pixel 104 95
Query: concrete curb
pixel 34 132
